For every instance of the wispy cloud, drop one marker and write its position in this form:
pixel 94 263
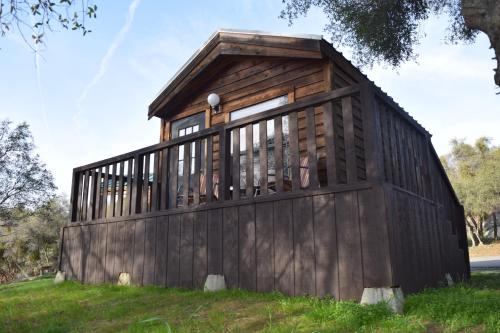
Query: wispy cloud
pixel 120 36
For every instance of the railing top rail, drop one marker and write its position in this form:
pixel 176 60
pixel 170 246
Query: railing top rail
pixel 284 109
pixel 302 104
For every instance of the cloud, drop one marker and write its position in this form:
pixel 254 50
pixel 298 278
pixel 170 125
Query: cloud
pixel 109 54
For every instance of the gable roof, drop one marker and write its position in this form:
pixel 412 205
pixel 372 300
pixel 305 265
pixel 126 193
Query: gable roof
pixel 226 42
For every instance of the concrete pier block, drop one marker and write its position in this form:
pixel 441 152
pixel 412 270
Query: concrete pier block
pixel 124 279
pixel 449 279
pixel 60 277
pixel 392 296
pixel 215 283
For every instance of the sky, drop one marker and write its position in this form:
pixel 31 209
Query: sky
pixel 86 98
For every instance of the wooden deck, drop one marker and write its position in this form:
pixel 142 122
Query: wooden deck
pixel 344 191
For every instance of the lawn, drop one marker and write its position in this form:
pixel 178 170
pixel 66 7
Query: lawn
pixel 41 306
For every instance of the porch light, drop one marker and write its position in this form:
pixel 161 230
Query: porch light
pixel 213 99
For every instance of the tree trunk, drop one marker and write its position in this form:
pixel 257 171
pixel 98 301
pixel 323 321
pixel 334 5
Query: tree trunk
pixel 484 15
pixel 495 228
pixel 474 228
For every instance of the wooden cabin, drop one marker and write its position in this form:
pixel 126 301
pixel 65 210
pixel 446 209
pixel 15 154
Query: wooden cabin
pixel 305 178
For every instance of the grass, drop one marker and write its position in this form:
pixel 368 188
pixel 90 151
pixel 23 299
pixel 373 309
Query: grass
pixel 41 306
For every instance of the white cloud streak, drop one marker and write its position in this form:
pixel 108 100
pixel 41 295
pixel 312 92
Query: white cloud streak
pixel 120 36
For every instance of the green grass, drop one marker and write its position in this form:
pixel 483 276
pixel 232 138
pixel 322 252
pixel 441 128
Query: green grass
pixel 41 306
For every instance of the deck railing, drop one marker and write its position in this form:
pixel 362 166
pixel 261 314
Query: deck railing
pixel 286 149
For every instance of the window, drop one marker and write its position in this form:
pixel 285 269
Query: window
pixel 188 125
pixel 259 107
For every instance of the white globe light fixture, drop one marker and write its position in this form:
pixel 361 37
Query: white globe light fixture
pixel 213 100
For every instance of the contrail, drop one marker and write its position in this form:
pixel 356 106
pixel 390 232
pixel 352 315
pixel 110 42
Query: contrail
pixel 109 54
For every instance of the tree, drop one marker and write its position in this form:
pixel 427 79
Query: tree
pixel 388 30
pixel 35 17
pixel 25 183
pixel 474 171
pixel 32 246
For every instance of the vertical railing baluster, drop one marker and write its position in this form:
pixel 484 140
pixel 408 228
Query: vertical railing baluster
pixel 119 209
pixel 196 175
pixel 249 163
pixel 112 201
pixel 137 185
pixel 224 163
pixel 105 193
pixel 172 176
pixel 331 166
pixel 209 181
pixel 186 173
pixel 128 202
pixel 350 152
pixel 98 203
pixel 164 180
pixel 145 184
pixel 278 152
pixel 311 148
pixel 85 203
pixel 236 164
pixel 263 156
pixel 294 151
pixel 93 197
pixel 74 197
pixel 154 189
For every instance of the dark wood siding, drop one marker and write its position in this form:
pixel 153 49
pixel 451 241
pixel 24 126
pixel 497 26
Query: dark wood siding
pixel 290 245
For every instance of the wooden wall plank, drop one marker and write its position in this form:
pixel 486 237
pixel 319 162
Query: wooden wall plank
pixel 200 249
pixel 148 276
pixel 174 235
pixel 374 238
pixel 283 247
pixel 246 223
pixel 349 249
pixel 139 248
pixel 214 225
pixel 128 248
pixel 264 238
pixel 230 246
pixel 186 250
pixel 325 241
pixel 110 253
pixel 161 250
pixel 303 240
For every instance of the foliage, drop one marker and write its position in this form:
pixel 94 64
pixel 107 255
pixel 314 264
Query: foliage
pixel 44 307
pixel 32 245
pixel 25 183
pixel 474 171
pixel 382 30
pixel 38 16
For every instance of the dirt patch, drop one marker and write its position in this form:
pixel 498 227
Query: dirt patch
pixel 492 249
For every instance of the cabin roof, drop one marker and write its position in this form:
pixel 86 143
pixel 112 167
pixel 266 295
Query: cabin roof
pixel 231 42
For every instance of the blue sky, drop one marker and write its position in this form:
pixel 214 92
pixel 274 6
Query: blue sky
pixel 87 99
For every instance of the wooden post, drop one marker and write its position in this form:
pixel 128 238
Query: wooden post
pixel 224 163
pixel 372 133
